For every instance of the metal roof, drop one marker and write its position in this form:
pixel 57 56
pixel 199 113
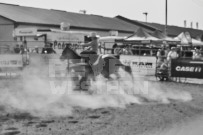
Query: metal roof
pixel 171 30
pixel 175 30
pixel 21 14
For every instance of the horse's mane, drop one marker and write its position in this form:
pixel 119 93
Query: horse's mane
pixel 73 51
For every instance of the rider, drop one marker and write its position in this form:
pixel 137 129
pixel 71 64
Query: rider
pixel 92 46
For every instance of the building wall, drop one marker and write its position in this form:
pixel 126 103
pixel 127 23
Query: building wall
pixel 36 26
pixel 6 29
pixel 103 33
pixel 99 32
pixel 4 21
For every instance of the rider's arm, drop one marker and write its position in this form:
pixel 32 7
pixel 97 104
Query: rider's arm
pixel 53 51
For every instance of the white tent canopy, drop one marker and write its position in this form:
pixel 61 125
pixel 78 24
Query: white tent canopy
pixel 165 38
pixel 196 42
pixel 182 38
pixel 187 40
pixel 141 36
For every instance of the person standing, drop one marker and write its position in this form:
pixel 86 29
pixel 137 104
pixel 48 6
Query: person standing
pixel 17 49
pixel 197 54
pixel 22 49
pixel 113 48
pixel 48 50
pixel 161 55
pixel 172 54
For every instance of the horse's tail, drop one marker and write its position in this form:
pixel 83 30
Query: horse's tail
pixel 128 69
pixel 117 56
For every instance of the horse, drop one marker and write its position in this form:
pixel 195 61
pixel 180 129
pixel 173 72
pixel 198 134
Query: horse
pixel 104 64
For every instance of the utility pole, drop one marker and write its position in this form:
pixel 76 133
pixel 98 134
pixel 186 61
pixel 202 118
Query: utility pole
pixel 166 18
pixel 145 13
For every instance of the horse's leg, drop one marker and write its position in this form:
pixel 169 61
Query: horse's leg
pixel 77 78
pixel 128 69
pixel 110 68
pixel 76 82
pixel 85 80
pixel 117 75
pixel 105 72
pixel 83 84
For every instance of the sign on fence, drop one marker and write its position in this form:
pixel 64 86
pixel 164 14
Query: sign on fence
pixel 144 65
pixel 7 60
pixel 187 68
pixel 10 65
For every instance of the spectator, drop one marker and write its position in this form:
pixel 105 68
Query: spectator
pixel 22 49
pixel 127 50
pixel 35 50
pixel 59 46
pixel 51 45
pixel 55 44
pixel 188 52
pixel 167 50
pixel 63 45
pixel 113 48
pixel 172 54
pixel 48 50
pixel 161 56
pixel 197 54
pixel 179 51
pixel 118 51
pixel 17 49
pixel 68 45
pixel 164 65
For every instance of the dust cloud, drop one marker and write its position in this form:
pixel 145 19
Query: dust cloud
pixel 188 127
pixel 41 95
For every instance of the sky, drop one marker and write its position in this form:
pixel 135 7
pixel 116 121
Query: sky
pixel 178 10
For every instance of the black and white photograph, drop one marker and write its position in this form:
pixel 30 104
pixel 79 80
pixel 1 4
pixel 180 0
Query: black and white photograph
pixel 101 67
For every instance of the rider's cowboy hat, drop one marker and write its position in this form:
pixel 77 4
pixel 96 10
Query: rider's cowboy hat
pixel 94 35
pixel 173 48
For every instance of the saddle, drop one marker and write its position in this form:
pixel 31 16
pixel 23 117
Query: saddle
pixel 92 59
pixel 95 61
pixel 117 56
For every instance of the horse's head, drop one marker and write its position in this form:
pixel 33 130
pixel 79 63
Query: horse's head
pixel 69 53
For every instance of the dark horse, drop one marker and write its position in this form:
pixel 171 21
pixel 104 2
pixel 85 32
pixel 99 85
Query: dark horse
pixel 93 64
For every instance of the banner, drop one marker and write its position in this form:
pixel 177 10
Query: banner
pixel 144 65
pixel 65 37
pixel 11 61
pixel 48 65
pixel 25 32
pixel 10 65
pixel 187 68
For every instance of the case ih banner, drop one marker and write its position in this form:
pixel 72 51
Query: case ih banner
pixel 187 68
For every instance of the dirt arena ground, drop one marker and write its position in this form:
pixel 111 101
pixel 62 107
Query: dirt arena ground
pixel 147 116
